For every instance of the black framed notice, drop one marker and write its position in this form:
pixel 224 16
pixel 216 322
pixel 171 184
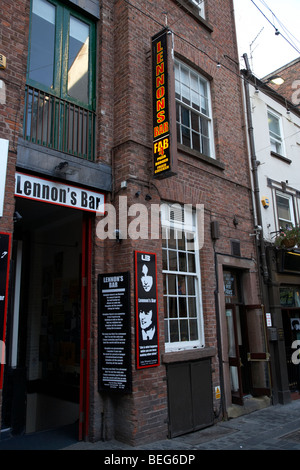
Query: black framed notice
pixel 147 344
pixel 114 332
pixel 5 243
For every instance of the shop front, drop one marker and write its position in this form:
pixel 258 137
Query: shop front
pixel 46 378
pixel 288 275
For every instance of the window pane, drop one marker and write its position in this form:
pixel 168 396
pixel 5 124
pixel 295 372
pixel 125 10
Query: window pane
pixel 174 333
pixel 192 307
pixel 185 117
pixel 186 140
pixel 172 260
pixel 283 206
pixel 184 330
pixel 41 66
pixel 182 307
pixel 172 285
pixel 191 286
pixel 274 124
pixel 182 262
pixel 192 264
pixel 205 146
pixel 193 330
pixel 195 122
pixel 172 307
pixel 181 240
pixel 172 239
pixel 78 62
pixel 196 142
pixel 181 285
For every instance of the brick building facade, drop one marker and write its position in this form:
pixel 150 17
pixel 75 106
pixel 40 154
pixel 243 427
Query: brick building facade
pixel 207 297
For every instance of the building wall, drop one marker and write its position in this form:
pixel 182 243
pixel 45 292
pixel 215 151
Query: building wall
pixel 222 185
pixel 271 167
pixel 124 141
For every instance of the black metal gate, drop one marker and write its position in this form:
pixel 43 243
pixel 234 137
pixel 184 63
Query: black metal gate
pixel 190 396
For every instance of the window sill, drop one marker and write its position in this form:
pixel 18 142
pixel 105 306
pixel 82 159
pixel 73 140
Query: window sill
pixel 193 11
pixel 201 156
pixel 281 157
pixel 188 355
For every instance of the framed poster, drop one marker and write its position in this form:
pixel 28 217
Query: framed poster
pixel 5 244
pixel 147 342
pixel 114 332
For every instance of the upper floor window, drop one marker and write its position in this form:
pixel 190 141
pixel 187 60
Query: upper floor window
pixel 61 52
pixel 275 133
pixel 60 89
pixel 193 110
pixel 285 210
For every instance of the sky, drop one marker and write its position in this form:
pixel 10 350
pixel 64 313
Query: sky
pixel 256 24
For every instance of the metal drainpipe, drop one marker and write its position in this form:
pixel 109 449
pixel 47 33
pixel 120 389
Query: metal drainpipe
pixel 254 171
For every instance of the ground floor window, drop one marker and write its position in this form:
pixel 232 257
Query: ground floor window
pixel 181 274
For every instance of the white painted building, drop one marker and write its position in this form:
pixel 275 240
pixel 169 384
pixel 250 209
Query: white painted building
pixel 273 133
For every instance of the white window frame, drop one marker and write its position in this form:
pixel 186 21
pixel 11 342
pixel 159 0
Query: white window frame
pixel 290 221
pixel 200 5
pixel 276 140
pixel 181 219
pixel 195 88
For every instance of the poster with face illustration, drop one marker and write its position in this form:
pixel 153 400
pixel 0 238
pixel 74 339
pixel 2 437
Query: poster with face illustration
pixel 147 347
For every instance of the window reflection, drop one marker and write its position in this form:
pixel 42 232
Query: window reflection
pixel 78 61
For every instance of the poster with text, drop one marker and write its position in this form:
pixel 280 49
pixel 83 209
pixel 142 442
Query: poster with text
pixel 114 332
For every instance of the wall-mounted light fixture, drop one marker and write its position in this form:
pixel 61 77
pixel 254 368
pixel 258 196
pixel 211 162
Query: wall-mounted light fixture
pixel 275 80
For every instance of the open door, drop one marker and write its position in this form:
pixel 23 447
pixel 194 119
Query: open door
pixel 247 351
pixel 235 363
pixel 258 355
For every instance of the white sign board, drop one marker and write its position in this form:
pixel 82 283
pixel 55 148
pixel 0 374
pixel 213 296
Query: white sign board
pixel 3 167
pixel 53 192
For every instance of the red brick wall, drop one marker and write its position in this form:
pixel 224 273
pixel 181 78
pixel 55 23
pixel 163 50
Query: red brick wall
pixel 124 136
pixel 224 192
pixel 13 39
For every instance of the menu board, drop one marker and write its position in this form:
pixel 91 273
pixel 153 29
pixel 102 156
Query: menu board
pixel 147 346
pixel 114 332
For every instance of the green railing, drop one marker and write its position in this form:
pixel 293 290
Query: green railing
pixel 59 124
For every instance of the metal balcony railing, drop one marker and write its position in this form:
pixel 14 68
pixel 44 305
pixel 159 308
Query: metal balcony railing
pixel 59 124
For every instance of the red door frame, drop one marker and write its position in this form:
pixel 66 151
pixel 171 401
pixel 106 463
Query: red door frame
pixel 85 326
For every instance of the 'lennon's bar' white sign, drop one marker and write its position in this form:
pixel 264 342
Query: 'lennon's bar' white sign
pixel 53 192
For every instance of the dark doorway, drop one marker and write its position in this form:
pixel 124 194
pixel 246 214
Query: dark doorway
pixel 42 378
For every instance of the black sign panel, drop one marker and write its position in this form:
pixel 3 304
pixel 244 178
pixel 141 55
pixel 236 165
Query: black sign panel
pixel 5 240
pixel 114 332
pixel 163 93
pixel 147 344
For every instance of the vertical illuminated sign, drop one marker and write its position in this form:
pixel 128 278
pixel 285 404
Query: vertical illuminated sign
pixel 164 117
